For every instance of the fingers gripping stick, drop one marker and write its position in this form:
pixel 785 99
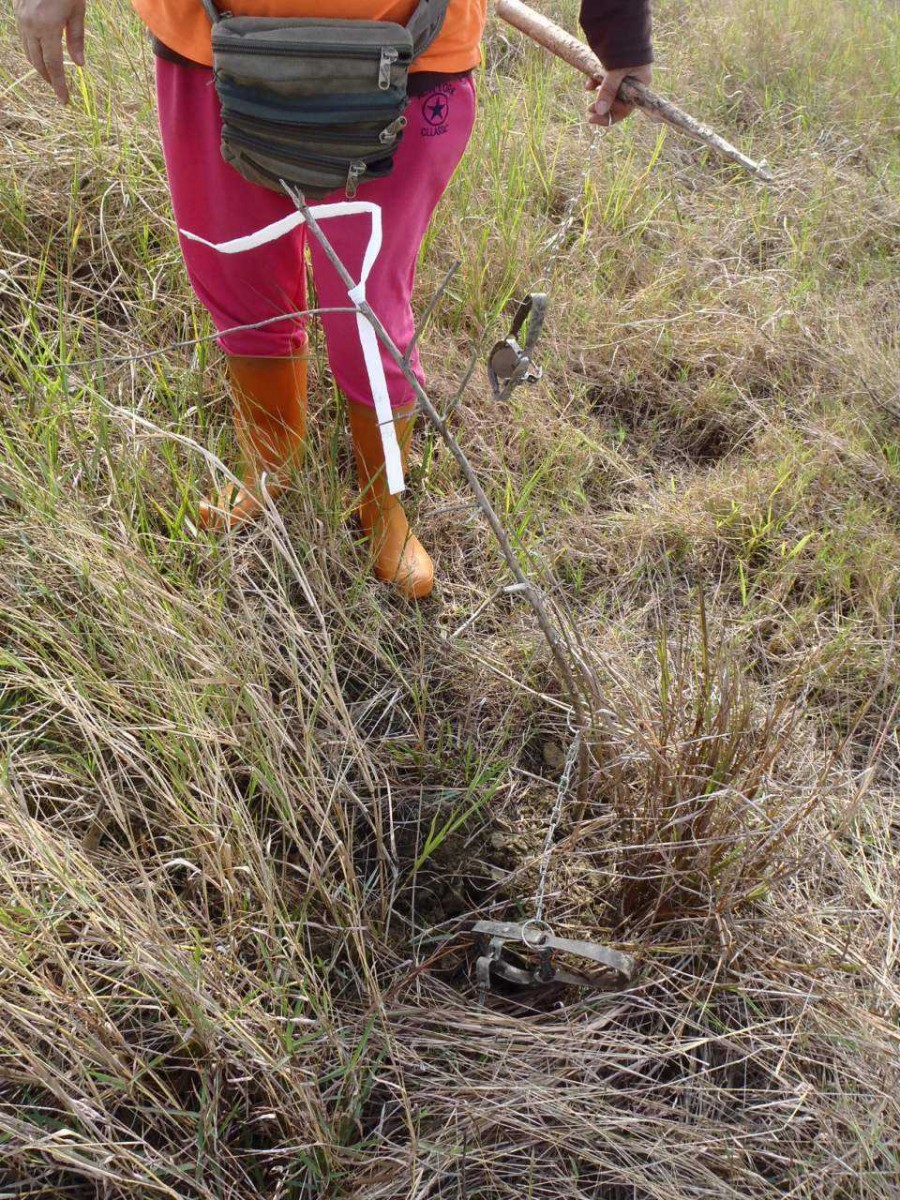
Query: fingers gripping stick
pixel 632 91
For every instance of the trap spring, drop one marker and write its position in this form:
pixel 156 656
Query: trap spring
pixel 531 961
pixel 510 364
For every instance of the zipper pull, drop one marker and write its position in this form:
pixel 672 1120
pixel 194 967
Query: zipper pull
pixel 393 130
pixel 389 55
pixel 356 171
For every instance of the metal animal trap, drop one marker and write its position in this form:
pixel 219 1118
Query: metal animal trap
pixel 509 363
pixel 526 956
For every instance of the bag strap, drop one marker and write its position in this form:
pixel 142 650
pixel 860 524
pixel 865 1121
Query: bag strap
pixel 424 25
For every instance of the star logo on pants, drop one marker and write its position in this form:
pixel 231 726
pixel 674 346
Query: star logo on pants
pixel 436 109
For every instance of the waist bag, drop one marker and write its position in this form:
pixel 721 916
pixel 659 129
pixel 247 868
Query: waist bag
pixel 316 103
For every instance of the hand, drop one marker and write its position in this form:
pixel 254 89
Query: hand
pixel 607 109
pixel 41 24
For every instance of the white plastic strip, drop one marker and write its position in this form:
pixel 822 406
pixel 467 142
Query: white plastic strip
pixel 393 463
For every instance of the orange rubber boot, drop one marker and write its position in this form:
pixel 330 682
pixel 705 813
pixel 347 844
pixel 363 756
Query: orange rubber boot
pixel 400 558
pixel 270 424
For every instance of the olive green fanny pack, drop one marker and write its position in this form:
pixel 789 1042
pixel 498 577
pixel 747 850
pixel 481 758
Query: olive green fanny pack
pixel 317 104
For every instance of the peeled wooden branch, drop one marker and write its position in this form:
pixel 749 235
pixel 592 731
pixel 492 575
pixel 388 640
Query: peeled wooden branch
pixel 580 56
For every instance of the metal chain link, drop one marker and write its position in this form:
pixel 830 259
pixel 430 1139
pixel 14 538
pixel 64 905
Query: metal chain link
pixel 562 790
pixel 553 248
pixel 554 244
pixel 508 364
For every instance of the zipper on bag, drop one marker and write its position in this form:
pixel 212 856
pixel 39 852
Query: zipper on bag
pixel 386 55
pixel 357 165
pixel 349 107
pixel 354 174
pixel 322 191
pixel 303 135
pixel 260 146
pixel 393 131
pixel 389 55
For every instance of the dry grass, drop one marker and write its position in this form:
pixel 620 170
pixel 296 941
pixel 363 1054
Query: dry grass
pixel 249 805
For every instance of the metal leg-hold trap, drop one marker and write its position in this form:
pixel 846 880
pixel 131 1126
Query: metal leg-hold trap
pixel 524 954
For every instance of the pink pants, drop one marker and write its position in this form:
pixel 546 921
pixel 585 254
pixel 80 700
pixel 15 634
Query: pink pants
pixel 211 199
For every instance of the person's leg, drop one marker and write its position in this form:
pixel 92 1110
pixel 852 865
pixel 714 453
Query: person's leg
pixel 267 365
pixel 439 128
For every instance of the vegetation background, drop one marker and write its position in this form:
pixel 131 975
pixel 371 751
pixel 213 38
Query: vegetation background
pixel 250 804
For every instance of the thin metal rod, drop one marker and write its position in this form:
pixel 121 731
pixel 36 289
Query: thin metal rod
pixel 581 694
pixel 435 300
pixel 187 343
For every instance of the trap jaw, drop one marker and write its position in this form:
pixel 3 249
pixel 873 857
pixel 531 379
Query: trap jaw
pixel 510 364
pixel 531 962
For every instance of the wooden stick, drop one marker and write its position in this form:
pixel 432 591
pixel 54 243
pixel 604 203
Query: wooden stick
pixel 580 56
